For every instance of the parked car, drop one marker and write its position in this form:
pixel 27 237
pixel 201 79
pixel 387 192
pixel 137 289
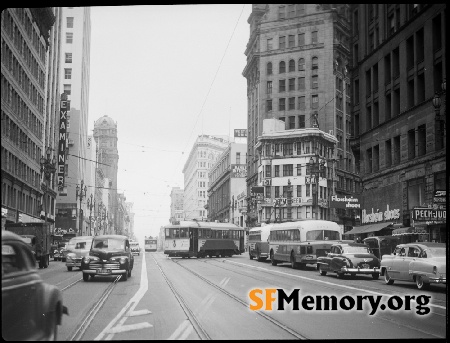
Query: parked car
pixel 31 309
pixel 135 248
pixel 349 258
pixel 63 252
pixel 382 245
pixel 77 248
pixel 109 255
pixel 421 262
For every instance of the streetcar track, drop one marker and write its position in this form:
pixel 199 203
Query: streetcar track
pixel 81 329
pixel 269 272
pixel 245 304
pixel 70 285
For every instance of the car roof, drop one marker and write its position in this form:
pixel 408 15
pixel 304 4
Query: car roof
pixel 351 244
pixel 11 236
pixel 111 236
pixel 426 244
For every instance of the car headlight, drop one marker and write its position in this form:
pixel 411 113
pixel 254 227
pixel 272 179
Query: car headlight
pixel 86 259
pixel 71 255
pixel 434 270
pixel 123 260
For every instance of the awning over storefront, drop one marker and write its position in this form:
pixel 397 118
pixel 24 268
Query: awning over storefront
pixel 409 231
pixel 368 228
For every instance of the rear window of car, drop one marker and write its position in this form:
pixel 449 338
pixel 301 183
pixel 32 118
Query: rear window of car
pixel 108 243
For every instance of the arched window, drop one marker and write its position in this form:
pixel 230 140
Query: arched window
pixel 282 67
pixel 301 64
pixel 269 68
pixel 291 65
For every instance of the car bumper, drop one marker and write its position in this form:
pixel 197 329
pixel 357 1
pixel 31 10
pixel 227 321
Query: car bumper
pixel 361 270
pixel 73 263
pixel 109 272
pixel 135 252
pixel 437 280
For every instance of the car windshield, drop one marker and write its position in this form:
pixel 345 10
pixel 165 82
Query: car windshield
pixel 352 250
pixel 434 252
pixel 109 244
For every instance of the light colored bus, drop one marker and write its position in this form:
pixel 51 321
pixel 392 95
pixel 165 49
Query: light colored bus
pixel 258 242
pixel 301 242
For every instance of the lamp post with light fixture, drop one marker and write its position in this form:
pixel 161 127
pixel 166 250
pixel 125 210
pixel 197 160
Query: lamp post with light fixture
pixel 80 194
pixel 91 205
pixel 48 167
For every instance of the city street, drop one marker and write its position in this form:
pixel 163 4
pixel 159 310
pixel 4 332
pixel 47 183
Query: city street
pixel 175 298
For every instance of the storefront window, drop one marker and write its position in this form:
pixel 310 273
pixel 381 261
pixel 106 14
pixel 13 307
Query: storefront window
pixel 439 182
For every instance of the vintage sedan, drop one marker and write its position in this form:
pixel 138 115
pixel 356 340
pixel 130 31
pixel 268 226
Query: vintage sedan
pixel 349 258
pixel 135 248
pixel 109 255
pixel 31 309
pixel 421 262
pixel 77 248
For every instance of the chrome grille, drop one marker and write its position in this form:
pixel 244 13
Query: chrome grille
pixel 106 265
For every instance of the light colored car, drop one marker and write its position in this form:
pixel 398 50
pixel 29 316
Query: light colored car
pixel 31 308
pixel 76 249
pixel 421 262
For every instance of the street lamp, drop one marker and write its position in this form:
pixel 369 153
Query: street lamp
pixel 80 194
pixel 91 204
pixel 48 167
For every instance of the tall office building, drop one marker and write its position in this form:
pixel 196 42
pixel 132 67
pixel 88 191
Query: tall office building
pixel 176 204
pixel 297 72
pixel 203 155
pixel 398 78
pixel 29 119
pixel 74 82
pixel 105 135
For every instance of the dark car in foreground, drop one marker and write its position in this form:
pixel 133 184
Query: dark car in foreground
pixel 422 262
pixel 349 258
pixel 109 255
pixel 31 308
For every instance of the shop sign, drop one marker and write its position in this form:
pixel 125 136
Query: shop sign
pixel 257 192
pixel 283 202
pixel 238 170
pixel 64 107
pixel 344 202
pixel 240 132
pixel 428 214
pixel 9 214
pixel 379 216
pixel 440 197
pixel 323 203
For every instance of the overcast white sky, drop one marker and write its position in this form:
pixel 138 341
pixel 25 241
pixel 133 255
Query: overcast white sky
pixel 166 74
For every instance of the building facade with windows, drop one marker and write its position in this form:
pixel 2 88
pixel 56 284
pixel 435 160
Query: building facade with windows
pixel 203 155
pixel 74 82
pixel 398 72
pixel 176 204
pixel 226 182
pixel 297 72
pixel 293 189
pixel 30 96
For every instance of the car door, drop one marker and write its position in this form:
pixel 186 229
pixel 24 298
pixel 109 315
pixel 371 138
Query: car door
pixel 393 265
pixel 20 300
pixel 403 263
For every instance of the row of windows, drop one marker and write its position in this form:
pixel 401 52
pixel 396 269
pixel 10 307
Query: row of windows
pixel 204 233
pixel 301 84
pixel 291 66
pixel 17 37
pixel 299 212
pixel 288 170
pixel 26 53
pixel 16 167
pixel 21 76
pixel 301 103
pixel 19 107
pixel 289 41
pixel 19 138
pixel 24 202
pixel 300 148
pixel 297 192
pixel 291 10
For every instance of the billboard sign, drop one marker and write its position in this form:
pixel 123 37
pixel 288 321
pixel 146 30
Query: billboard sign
pixel 257 192
pixel 64 107
pixel 240 133
pixel 238 170
pixel 344 202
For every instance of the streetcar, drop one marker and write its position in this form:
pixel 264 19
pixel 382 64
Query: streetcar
pixel 302 242
pixel 201 239
pixel 258 242
pixel 150 244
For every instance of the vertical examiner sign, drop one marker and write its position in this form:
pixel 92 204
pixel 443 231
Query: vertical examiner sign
pixel 64 107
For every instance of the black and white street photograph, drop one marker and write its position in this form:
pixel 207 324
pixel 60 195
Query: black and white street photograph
pixel 224 172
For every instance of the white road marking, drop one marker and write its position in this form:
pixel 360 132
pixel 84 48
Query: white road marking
pixel 125 328
pixel 324 282
pixel 179 330
pixel 138 313
pixel 131 305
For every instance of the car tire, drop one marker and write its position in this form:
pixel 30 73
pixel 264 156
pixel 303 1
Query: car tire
pixel 69 269
pixel 129 273
pixel 274 263
pixel 421 284
pixel 124 276
pixel 375 276
pixel 53 326
pixel 85 277
pixel 322 272
pixel 387 278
